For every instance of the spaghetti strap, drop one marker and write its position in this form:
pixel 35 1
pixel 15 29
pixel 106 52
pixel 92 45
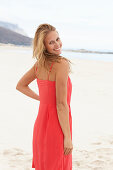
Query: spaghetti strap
pixel 50 70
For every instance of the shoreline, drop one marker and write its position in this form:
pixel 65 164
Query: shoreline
pixel 65 50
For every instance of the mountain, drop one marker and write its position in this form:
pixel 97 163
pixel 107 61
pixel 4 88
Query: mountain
pixel 13 27
pixel 11 37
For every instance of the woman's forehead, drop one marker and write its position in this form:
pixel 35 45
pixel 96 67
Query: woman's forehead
pixel 51 35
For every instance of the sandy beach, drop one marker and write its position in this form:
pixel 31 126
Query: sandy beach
pixel 91 107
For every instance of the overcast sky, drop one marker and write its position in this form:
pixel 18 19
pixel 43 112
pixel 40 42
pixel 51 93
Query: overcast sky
pixel 81 24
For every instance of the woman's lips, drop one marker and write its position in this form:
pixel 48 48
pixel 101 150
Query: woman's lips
pixel 57 49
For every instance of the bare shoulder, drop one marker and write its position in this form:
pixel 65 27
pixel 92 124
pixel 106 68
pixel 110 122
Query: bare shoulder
pixel 63 62
pixel 62 67
pixel 62 71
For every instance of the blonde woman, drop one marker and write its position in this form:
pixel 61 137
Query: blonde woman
pixel 52 132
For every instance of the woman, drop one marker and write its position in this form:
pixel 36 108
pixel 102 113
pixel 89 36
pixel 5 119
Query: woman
pixel 52 132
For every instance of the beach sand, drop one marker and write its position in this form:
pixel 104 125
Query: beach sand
pixel 91 107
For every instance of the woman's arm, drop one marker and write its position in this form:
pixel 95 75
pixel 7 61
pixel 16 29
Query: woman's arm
pixel 62 71
pixel 62 106
pixel 23 83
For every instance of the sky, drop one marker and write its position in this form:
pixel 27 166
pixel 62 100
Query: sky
pixel 81 24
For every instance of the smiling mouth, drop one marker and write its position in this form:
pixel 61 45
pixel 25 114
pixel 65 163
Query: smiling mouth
pixel 57 49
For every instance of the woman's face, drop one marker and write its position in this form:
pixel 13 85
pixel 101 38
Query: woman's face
pixel 53 43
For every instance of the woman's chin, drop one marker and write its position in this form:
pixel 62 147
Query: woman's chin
pixel 57 52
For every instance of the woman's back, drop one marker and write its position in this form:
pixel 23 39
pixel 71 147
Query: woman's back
pixel 44 74
pixel 46 81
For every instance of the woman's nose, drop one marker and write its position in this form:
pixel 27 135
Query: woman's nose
pixel 57 44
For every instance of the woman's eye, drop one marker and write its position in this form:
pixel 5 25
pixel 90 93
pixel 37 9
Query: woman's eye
pixel 51 43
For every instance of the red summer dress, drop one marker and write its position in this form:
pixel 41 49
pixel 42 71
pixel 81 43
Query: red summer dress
pixel 47 143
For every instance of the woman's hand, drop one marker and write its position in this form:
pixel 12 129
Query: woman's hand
pixel 68 146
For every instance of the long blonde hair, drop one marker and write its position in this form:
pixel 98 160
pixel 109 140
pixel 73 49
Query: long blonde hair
pixel 39 50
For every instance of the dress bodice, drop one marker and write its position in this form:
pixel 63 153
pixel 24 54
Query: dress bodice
pixel 47 90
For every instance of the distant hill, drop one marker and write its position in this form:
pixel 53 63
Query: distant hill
pixel 8 36
pixel 13 27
